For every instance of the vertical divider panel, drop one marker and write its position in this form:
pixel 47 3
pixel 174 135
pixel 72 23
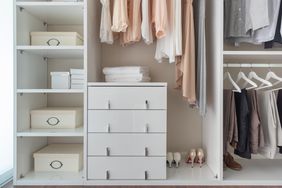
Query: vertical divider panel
pixel 212 122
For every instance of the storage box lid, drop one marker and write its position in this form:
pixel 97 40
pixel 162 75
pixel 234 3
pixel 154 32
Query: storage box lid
pixel 59 73
pixel 60 149
pixel 57 109
pixel 56 34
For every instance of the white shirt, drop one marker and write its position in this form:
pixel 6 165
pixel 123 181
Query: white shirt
pixel 146 25
pixel 106 34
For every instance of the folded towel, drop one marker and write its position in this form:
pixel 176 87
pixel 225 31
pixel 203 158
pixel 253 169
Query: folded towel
pixel 132 79
pixel 78 76
pixel 125 76
pixel 77 71
pixel 77 86
pixel 125 70
pixel 74 81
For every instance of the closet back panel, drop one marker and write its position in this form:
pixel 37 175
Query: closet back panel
pixel 212 121
pixel 184 124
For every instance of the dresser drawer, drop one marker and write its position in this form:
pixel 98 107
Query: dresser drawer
pixel 127 121
pixel 122 168
pixel 126 144
pixel 127 98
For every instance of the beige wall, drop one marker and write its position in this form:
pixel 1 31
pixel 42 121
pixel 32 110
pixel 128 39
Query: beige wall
pixel 184 123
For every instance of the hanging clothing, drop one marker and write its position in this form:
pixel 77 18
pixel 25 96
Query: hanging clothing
pixel 277 30
pixel 106 34
pixel 200 26
pixel 146 25
pixel 243 121
pixel 256 132
pixel 279 107
pixel 159 17
pixel 170 46
pixel 186 68
pixel 230 127
pixel 133 31
pixel 235 18
pixel 120 16
pixel 269 121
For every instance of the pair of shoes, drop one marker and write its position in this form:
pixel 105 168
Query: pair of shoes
pixel 196 156
pixel 231 163
pixel 173 157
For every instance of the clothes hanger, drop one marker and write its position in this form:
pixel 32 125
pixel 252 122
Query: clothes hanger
pixel 227 75
pixel 271 75
pixel 253 75
pixel 241 75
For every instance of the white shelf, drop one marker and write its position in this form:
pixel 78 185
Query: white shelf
pixel 252 55
pixel 255 172
pixel 50 91
pixel 54 51
pixel 62 13
pixel 78 132
pixel 51 178
pixel 127 84
pixel 184 175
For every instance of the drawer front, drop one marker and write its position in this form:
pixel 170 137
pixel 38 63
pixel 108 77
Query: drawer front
pixel 122 168
pixel 127 121
pixel 126 144
pixel 115 98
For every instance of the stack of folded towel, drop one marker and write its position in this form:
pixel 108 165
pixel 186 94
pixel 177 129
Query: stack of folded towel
pixel 127 74
pixel 77 78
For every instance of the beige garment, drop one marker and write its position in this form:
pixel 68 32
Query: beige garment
pixel 159 17
pixel 133 32
pixel 120 16
pixel 106 34
pixel 186 68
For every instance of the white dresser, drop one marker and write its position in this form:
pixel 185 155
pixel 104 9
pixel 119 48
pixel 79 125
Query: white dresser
pixel 127 131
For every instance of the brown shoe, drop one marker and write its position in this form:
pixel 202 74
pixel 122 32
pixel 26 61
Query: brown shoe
pixel 230 163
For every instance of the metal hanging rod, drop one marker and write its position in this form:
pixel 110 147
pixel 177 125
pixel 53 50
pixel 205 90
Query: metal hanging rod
pixel 250 65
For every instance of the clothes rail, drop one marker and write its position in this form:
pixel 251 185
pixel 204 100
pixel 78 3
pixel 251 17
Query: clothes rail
pixel 252 65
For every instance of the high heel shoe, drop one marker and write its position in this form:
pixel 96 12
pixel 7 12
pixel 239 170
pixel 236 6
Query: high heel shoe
pixel 191 157
pixel 169 159
pixel 200 157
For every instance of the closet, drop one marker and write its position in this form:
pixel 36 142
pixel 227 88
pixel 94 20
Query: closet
pixel 185 128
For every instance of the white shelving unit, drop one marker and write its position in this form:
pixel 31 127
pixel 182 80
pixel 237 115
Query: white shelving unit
pixel 22 91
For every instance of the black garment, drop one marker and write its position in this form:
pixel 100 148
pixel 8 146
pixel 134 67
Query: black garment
pixel 279 107
pixel 277 37
pixel 243 121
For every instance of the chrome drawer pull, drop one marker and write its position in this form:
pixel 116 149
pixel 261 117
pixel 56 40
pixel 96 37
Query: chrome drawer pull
pixel 146 175
pixel 147 128
pixel 108 151
pixel 107 175
pixel 146 152
pixel 109 105
pixel 109 128
pixel 147 104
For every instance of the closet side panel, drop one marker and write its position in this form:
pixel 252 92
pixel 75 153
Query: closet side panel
pixel 212 122
pixel 93 50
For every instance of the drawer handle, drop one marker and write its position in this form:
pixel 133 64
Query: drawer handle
pixel 147 128
pixel 56 164
pixel 146 152
pixel 57 42
pixel 109 128
pixel 147 104
pixel 53 121
pixel 108 151
pixel 146 175
pixel 107 175
pixel 109 105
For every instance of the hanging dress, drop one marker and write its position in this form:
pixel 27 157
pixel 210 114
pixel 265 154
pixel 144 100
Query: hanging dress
pixel 106 34
pixel 146 25
pixel 120 16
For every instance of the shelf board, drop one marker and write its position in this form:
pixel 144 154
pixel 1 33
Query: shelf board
pixel 184 175
pixel 255 172
pixel 55 13
pixel 50 91
pixel 54 51
pixel 78 132
pixel 252 55
pixel 127 84
pixel 51 178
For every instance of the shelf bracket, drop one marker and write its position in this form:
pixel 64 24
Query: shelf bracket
pixel 21 51
pixel 21 9
pixel 21 94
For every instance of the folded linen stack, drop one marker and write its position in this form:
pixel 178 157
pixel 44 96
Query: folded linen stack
pixel 127 74
pixel 77 78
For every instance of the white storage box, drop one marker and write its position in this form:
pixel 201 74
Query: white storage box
pixel 60 80
pixel 59 158
pixel 56 118
pixel 56 39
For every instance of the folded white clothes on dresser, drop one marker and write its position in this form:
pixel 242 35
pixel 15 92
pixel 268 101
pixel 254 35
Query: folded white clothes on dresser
pixel 128 79
pixel 125 70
